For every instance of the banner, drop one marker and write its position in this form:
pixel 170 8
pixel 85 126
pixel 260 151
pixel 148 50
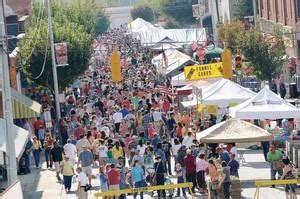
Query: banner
pixel 61 53
pixel 212 109
pixel 115 61
pixel 204 71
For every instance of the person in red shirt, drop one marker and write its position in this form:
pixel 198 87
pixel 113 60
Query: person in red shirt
pixel 126 103
pixel 113 178
pixel 79 131
pixel 190 166
pixel 166 106
pixel 37 125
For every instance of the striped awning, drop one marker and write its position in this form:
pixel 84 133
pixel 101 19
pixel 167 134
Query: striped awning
pixel 23 106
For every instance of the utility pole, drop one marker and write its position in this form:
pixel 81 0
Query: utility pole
pixel 54 71
pixel 7 105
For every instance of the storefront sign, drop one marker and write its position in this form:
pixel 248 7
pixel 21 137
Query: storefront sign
pixel 204 71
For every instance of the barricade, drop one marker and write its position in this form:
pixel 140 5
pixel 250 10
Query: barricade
pixel 261 183
pixel 188 185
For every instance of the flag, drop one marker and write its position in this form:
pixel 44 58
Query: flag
pixel 165 59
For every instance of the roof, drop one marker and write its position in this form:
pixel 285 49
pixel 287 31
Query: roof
pixel 265 105
pixel 234 131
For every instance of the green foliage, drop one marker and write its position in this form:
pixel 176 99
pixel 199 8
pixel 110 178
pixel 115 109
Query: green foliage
pixel 102 24
pixel 172 23
pixel 266 55
pixel 232 35
pixel 243 8
pixel 143 11
pixel 179 10
pixel 72 23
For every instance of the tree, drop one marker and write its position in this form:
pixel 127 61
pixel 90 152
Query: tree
pixel 243 8
pixel 232 35
pixel 102 24
pixel 266 55
pixel 143 11
pixel 74 24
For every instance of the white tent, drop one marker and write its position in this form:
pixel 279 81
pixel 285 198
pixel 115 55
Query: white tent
pixel 232 131
pixel 139 25
pixel 174 57
pixel 265 105
pixel 178 80
pixel 165 43
pixel 21 136
pixel 222 93
pixel 150 36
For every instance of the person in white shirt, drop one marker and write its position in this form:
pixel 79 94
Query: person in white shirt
pixel 233 150
pixel 102 151
pixel 82 183
pixel 188 140
pixel 70 151
pixel 117 117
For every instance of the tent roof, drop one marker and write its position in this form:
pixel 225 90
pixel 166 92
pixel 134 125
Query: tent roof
pixel 178 80
pixel 198 84
pixel 222 93
pixel 232 131
pixel 139 24
pixel 21 136
pixel 265 105
pixel 175 59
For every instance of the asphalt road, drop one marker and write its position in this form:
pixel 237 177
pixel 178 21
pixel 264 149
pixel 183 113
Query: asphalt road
pixel 118 15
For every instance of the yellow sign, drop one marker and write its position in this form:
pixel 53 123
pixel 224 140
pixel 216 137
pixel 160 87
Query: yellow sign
pixel 200 108
pixel 115 67
pixel 227 64
pixel 204 71
pixel 142 189
pixel 212 109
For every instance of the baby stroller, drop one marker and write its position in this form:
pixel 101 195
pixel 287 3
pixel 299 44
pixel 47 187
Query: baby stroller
pixel 150 175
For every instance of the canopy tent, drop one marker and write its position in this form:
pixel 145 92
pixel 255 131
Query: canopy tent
pixel 265 105
pixel 20 135
pixel 139 24
pixel 178 80
pixel 198 84
pixel 174 58
pixel 165 43
pixel 233 131
pixel 222 93
pixel 150 37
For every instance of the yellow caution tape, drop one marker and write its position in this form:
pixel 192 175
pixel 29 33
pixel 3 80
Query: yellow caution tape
pixel 275 182
pixel 143 189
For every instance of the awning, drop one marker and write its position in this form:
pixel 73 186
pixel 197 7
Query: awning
pixel 23 107
pixel 20 137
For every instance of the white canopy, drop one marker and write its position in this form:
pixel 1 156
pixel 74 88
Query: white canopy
pixel 165 43
pixel 149 34
pixel 232 131
pixel 178 80
pixel 139 24
pixel 175 59
pixel 222 93
pixel 21 136
pixel 265 105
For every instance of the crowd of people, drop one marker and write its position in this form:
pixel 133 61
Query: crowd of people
pixel 130 131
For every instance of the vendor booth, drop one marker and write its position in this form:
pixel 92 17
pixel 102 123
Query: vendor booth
pixel 265 105
pixel 234 131
pixel 222 93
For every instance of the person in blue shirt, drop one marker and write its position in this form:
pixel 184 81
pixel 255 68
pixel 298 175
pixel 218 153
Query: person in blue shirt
pixel 124 111
pixel 137 175
pixel 223 155
pixel 234 166
pixel 155 141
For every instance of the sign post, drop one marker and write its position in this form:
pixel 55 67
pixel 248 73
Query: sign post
pixel 198 92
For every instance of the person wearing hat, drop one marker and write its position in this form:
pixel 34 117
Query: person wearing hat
pixel 223 154
pixel 67 170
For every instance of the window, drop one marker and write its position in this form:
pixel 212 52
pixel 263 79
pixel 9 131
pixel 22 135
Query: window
pixel 297 4
pixel 268 9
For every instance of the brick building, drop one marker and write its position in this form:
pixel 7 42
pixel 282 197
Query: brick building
pixel 286 15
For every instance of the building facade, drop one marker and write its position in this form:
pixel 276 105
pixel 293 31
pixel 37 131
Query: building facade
pixel 285 14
